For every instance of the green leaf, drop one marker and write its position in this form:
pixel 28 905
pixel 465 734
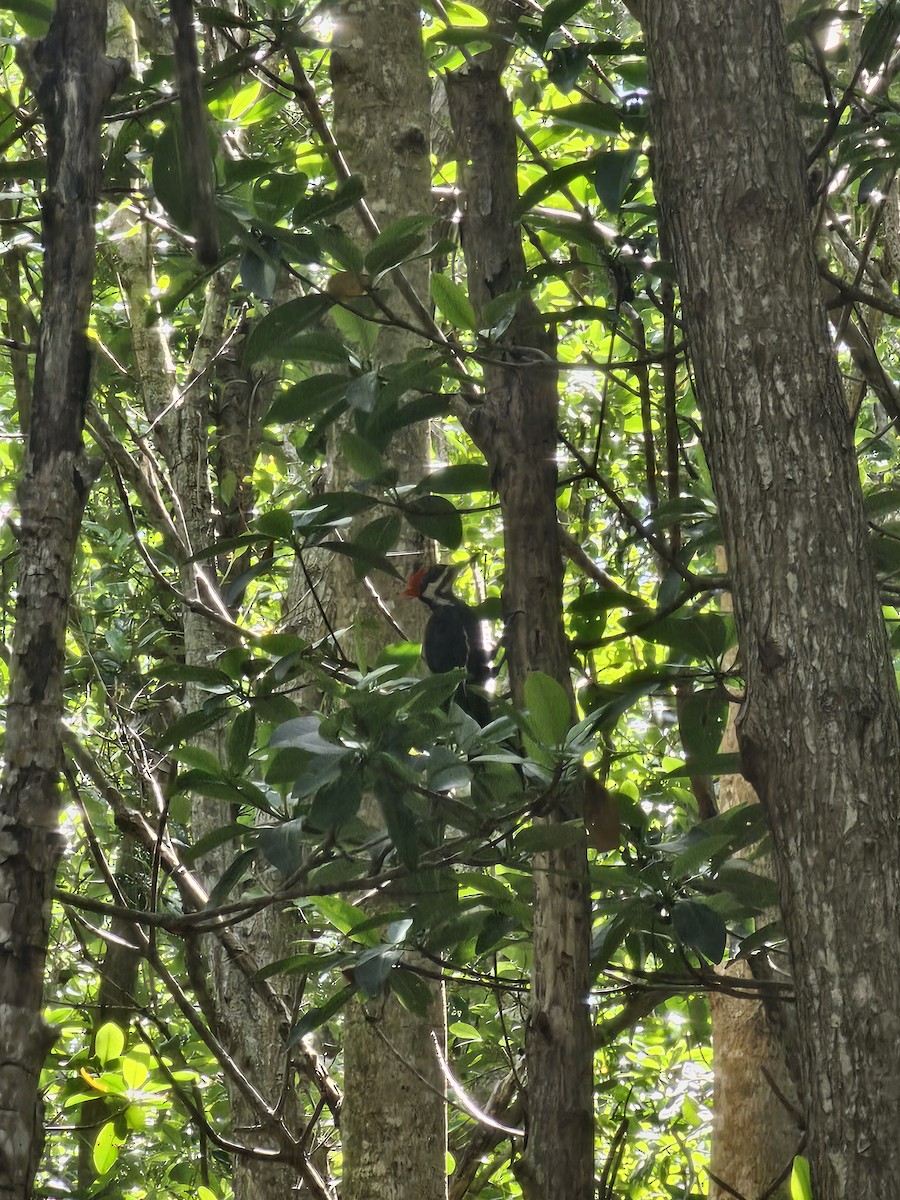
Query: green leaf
pixel 699 635
pixel 345 918
pixel 597 116
pixel 698 927
pixel 361 455
pixel 401 825
pixel 306 398
pixel 240 740
pixel 801 1182
pixel 613 175
pixel 106 1148
pixel 231 877
pixel 435 517
pixel 412 991
pixel 539 836
pixel 320 346
pixel 284 845
pixel 318 1016
pixel 372 968
pixel 459 479
pixel 362 392
pixel 452 302
pixel 109 1043
pixel 336 803
pixel 326 205
pixel 378 537
pixel 276 193
pixel 552 181
pixel 272 336
pixel 557 12
pixel 397 243
pixel 701 723
pixel 549 709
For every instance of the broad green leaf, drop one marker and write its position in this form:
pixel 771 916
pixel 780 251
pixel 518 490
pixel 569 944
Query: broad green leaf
pixel 701 722
pixel 231 877
pixel 315 1017
pixel 319 346
pixel 284 845
pixel 361 455
pixel 801 1181
pixel 557 12
pixel 437 518
pixel 539 836
pixel 109 1043
pixel 613 174
pixel 345 918
pixel 306 398
pixel 452 302
pixel 549 708
pixel 397 243
pixel 321 206
pixel 240 738
pixel 275 332
pixel 597 116
pixel 362 392
pixel 459 479
pixel 106 1148
pixel 336 803
pixel 700 928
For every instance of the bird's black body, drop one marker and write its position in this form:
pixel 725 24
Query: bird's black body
pixel 454 637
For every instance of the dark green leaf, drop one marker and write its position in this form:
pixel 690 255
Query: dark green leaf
pixel 396 243
pixel 362 392
pixel 274 333
pixel 336 803
pixel 401 825
pixel 436 518
pixel 326 205
pixel 240 740
pixel 538 837
pixel 452 302
pixel 231 877
pixel 284 845
pixel 549 709
pixel 361 455
pixel 613 175
pixel 318 1016
pixel 459 479
pixel 307 397
pixel 699 928
pixel 701 723
pixel 597 116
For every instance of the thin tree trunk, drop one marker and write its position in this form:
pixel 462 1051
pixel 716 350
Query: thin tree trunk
pixel 394 1122
pixel 820 728
pixel 516 429
pixel 74 82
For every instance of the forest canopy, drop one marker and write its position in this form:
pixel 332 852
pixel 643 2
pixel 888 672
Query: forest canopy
pixel 305 302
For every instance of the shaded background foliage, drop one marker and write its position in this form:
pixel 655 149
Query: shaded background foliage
pixel 133 1087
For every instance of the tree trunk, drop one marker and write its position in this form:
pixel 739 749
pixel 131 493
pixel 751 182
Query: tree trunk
pixel 74 82
pixel 516 429
pixel 819 729
pixel 394 1124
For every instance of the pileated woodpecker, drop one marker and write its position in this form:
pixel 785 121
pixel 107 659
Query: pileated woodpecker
pixel 454 636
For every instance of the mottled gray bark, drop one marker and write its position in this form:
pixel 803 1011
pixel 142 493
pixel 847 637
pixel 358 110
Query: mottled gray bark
pixel 74 81
pixel 516 429
pixel 820 728
pixel 394 1125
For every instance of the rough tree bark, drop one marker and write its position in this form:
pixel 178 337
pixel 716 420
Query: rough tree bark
pixel 74 81
pixel 394 1120
pixel 516 430
pixel 820 727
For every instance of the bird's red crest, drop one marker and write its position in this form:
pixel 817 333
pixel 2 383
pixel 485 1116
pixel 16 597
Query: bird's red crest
pixel 414 584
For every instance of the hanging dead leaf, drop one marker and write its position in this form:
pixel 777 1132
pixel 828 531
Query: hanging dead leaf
pixel 601 815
